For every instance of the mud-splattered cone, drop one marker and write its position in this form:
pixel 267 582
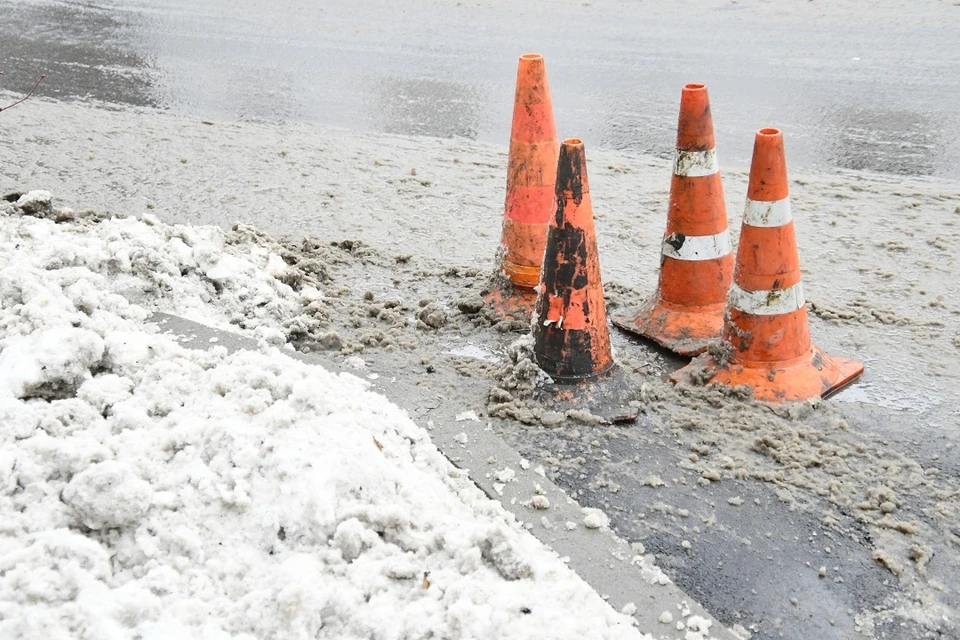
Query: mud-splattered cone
pixel 696 261
pixel 531 175
pixel 571 338
pixel 766 323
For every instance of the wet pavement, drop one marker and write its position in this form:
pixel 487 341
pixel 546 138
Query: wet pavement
pixel 733 558
pixel 852 89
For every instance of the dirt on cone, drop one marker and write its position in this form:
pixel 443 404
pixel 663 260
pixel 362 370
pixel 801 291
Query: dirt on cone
pixel 531 174
pixel 696 262
pixel 572 341
pixel 766 320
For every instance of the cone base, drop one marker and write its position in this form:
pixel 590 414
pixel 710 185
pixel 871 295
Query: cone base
pixel 687 331
pixel 607 396
pixel 813 375
pixel 512 302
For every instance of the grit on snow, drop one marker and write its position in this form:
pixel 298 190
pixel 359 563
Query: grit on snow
pixel 152 491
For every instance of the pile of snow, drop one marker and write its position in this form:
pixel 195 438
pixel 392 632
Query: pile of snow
pixel 146 265
pixel 151 491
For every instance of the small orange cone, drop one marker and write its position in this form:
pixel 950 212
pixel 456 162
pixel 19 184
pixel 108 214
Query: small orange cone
pixel 531 175
pixel 696 262
pixel 571 338
pixel 766 321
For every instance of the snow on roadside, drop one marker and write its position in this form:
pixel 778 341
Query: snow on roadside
pixel 151 491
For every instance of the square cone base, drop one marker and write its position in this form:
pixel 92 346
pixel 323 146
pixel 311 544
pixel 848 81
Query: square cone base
pixel 512 302
pixel 685 331
pixel 607 396
pixel 813 375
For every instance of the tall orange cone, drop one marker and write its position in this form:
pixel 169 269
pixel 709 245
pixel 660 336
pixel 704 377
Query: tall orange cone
pixel 766 322
pixel 571 338
pixel 696 258
pixel 531 175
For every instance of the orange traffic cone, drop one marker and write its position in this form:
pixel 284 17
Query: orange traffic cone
pixel 571 337
pixel 531 175
pixel 766 321
pixel 696 258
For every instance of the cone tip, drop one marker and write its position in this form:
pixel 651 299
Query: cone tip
pixel 532 79
pixel 695 125
pixel 769 140
pixel 572 170
pixel 768 168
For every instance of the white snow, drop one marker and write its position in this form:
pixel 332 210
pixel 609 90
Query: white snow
pixel 594 518
pixel 152 491
pixel 540 502
pixel 697 628
pixel 506 475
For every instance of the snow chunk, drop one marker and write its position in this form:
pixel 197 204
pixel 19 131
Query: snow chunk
pixel 49 363
pixel 540 502
pixel 35 202
pixel 227 268
pixel 594 518
pixel 506 475
pixel 105 391
pixel 697 628
pixel 355 362
pixel 108 495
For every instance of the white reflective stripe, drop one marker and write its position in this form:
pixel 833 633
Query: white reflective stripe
pixel 767 303
pixel 681 247
pixel 767 214
pixel 695 164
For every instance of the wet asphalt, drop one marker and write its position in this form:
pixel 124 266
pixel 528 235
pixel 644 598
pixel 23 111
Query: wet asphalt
pixel 756 566
pixel 870 89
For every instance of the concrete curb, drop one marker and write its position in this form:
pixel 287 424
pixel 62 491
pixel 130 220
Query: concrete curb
pixel 601 558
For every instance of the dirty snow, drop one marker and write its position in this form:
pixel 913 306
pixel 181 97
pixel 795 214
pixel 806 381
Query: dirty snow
pixel 152 491
pixel 397 292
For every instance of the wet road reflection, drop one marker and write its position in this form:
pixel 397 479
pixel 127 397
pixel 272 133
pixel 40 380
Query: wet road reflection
pixel 876 94
pixel 426 107
pixel 636 131
pixel 887 141
pixel 84 50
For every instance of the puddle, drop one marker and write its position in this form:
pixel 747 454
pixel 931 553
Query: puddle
pixel 887 397
pixel 473 351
